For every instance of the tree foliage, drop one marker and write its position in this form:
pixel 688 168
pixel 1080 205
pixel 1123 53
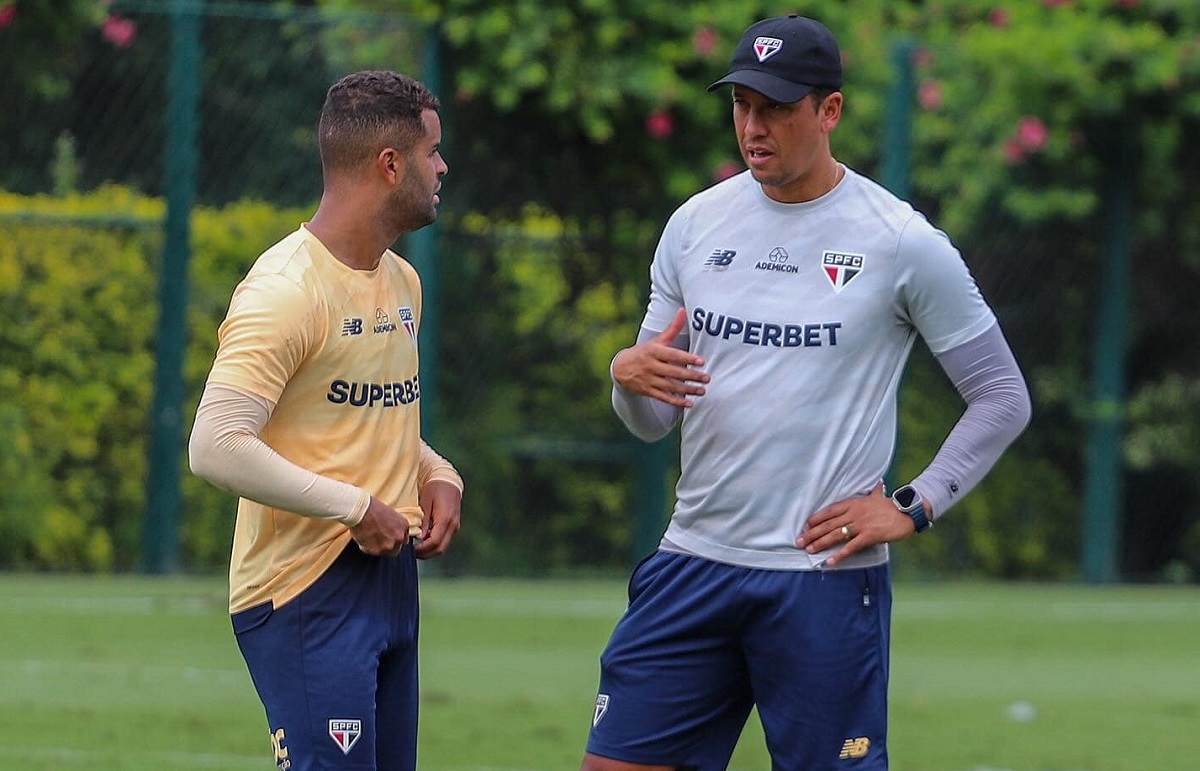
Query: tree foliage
pixel 573 128
pixel 1022 112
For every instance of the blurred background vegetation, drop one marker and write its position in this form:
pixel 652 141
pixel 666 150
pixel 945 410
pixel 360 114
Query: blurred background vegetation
pixel 1041 135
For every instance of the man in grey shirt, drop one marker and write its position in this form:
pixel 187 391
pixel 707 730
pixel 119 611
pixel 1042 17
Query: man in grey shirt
pixel 784 303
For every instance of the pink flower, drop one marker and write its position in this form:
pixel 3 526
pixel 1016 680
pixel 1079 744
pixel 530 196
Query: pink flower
pixel 1013 152
pixel 704 41
pixel 725 170
pixel 1031 134
pixel 119 31
pixel 660 124
pixel 998 17
pixel 8 12
pixel 929 95
pixel 922 57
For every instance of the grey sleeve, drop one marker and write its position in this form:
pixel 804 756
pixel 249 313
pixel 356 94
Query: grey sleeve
pixel 646 418
pixel 986 374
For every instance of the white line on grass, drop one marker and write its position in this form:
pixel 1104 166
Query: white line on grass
pixel 988 769
pixel 183 760
pixel 1132 611
pixel 108 606
pixel 44 667
pixel 218 760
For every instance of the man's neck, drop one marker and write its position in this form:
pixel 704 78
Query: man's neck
pixel 351 236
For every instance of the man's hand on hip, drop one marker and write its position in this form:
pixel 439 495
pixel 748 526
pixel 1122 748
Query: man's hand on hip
pixel 855 524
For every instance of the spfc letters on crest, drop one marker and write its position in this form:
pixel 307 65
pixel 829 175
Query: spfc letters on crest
pixel 345 733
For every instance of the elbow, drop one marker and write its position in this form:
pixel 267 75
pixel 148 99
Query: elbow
pixel 649 436
pixel 645 418
pixel 196 464
pixel 200 460
pixel 1025 414
pixel 1020 411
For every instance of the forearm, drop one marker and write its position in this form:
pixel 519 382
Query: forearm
pixel 998 409
pixel 647 418
pixel 434 468
pixel 225 449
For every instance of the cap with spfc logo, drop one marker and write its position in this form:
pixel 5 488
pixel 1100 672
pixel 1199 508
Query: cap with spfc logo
pixel 784 58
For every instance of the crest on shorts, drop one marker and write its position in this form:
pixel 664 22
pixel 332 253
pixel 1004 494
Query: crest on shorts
pixel 345 733
pixel 841 267
pixel 766 47
pixel 601 708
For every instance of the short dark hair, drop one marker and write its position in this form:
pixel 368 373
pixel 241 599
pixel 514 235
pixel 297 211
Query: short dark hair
pixel 367 111
pixel 818 96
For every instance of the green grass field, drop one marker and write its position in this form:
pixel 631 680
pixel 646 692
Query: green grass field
pixel 133 674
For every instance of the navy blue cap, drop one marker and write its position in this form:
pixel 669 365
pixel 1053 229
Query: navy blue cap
pixel 784 58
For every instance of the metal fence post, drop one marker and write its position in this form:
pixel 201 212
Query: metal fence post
pixel 897 121
pixel 650 461
pixel 421 249
pixel 1103 484
pixel 895 160
pixel 160 535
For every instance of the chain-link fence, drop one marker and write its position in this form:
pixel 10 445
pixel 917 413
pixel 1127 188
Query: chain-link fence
pixel 99 112
pixel 238 87
pixel 523 309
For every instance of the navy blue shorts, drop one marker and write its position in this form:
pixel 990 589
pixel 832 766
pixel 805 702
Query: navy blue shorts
pixel 703 642
pixel 336 668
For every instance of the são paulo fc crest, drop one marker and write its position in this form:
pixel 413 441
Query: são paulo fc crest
pixel 345 733
pixel 406 320
pixel 601 708
pixel 841 267
pixel 766 47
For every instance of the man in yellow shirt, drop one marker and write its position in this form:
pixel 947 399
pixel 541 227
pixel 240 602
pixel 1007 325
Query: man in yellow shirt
pixel 311 414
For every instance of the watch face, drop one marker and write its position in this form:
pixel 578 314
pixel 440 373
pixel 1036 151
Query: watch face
pixel 905 497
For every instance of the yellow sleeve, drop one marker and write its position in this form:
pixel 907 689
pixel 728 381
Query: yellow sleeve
pixel 269 330
pixel 433 467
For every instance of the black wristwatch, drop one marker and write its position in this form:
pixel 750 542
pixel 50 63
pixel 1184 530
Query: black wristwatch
pixel 909 502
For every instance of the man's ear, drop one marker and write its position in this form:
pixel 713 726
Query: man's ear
pixel 831 111
pixel 390 165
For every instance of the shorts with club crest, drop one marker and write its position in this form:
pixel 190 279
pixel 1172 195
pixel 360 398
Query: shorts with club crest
pixel 701 643
pixel 336 668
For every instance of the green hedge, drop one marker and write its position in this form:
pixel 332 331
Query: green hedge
pixel 78 310
pixel 77 322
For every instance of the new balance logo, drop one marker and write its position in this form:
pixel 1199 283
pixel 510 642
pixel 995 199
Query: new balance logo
pixel 855 748
pixel 351 327
pixel 720 259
